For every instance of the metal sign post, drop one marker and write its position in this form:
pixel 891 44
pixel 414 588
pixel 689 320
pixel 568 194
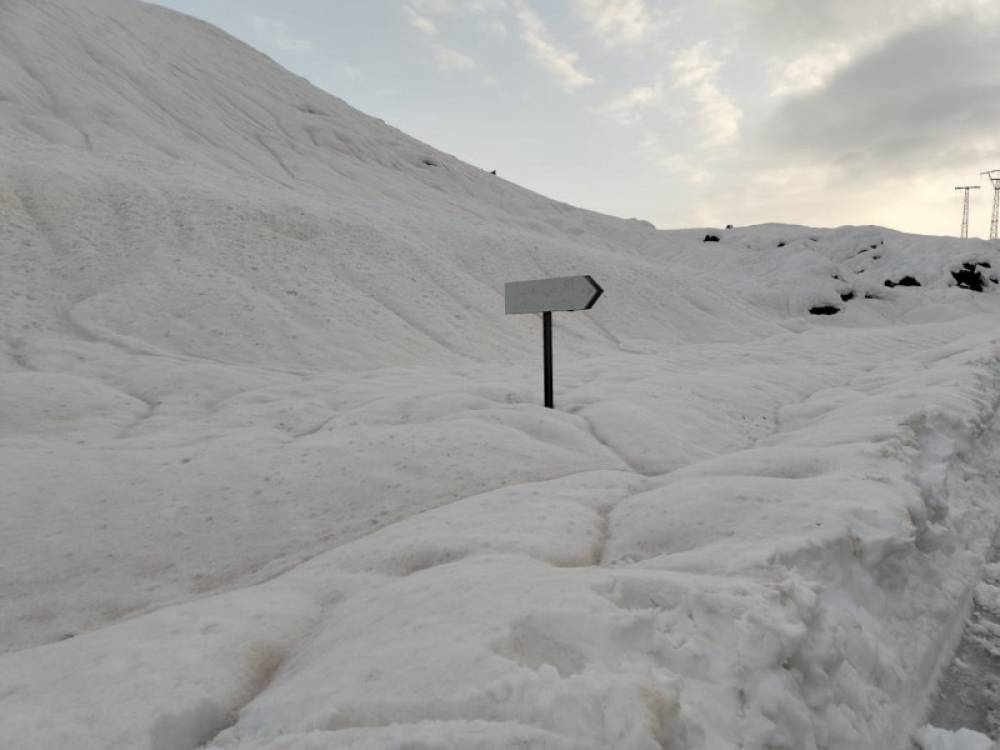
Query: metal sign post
pixel 545 296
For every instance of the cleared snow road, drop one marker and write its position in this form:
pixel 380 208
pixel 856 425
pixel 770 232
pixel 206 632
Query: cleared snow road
pixel 969 692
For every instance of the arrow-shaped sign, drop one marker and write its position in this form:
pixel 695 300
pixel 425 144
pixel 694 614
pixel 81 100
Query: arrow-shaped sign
pixel 551 295
pixel 547 296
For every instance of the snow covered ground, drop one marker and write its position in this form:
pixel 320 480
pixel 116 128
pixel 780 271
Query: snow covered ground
pixel 276 473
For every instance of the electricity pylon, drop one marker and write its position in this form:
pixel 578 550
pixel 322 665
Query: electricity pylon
pixel 965 209
pixel 994 175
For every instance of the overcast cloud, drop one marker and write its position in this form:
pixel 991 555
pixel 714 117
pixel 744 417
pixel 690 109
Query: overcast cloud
pixel 921 99
pixel 689 112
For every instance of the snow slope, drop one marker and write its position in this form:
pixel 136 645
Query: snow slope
pixel 275 472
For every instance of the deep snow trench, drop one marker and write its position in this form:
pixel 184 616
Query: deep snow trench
pixel 965 712
pixel 968 695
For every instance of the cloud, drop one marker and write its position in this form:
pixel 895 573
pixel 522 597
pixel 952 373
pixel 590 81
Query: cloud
pixel 927 98
pixel 455 7
pixel 648 111
pixel 878 110
pixel 810 71
pixel 617 22
pixel 495 27
pixel 560 62
pixel 683 166
pixel 421 22
pixel 447 59
pixel 435 7
pixel 351 72
pixel 627 109
pixel 276 34
pixel 718 116
pixel 807 43
pixel 451 61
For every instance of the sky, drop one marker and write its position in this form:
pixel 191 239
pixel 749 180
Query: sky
pixel 684 113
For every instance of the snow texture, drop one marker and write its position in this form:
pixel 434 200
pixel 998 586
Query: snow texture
pixel 276 473
pixel 932 738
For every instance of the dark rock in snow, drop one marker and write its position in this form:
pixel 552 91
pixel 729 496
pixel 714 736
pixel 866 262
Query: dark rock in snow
pixel 824 310
pixel 905 281
pixel 847 296
pixel 710 238
pixel 968 277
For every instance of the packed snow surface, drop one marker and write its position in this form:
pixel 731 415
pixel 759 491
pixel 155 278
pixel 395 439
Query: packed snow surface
pixel 932 738
pixel 276 473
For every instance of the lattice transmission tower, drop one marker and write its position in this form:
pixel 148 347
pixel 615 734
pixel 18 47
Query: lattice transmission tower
pixel 994 175
pixel 965 209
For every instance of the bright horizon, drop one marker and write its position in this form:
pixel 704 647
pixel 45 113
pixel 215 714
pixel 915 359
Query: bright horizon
pixel 684 114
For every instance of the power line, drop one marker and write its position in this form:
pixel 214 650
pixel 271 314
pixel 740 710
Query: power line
pixel 994 177
pixel 965 209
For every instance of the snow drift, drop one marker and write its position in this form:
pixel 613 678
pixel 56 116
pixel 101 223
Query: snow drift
pixel 275 472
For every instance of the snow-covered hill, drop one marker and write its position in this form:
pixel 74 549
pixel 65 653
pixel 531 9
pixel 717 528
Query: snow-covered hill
pixel 275 472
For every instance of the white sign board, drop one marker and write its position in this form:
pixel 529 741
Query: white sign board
pixel 562 294
pixel 547 296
